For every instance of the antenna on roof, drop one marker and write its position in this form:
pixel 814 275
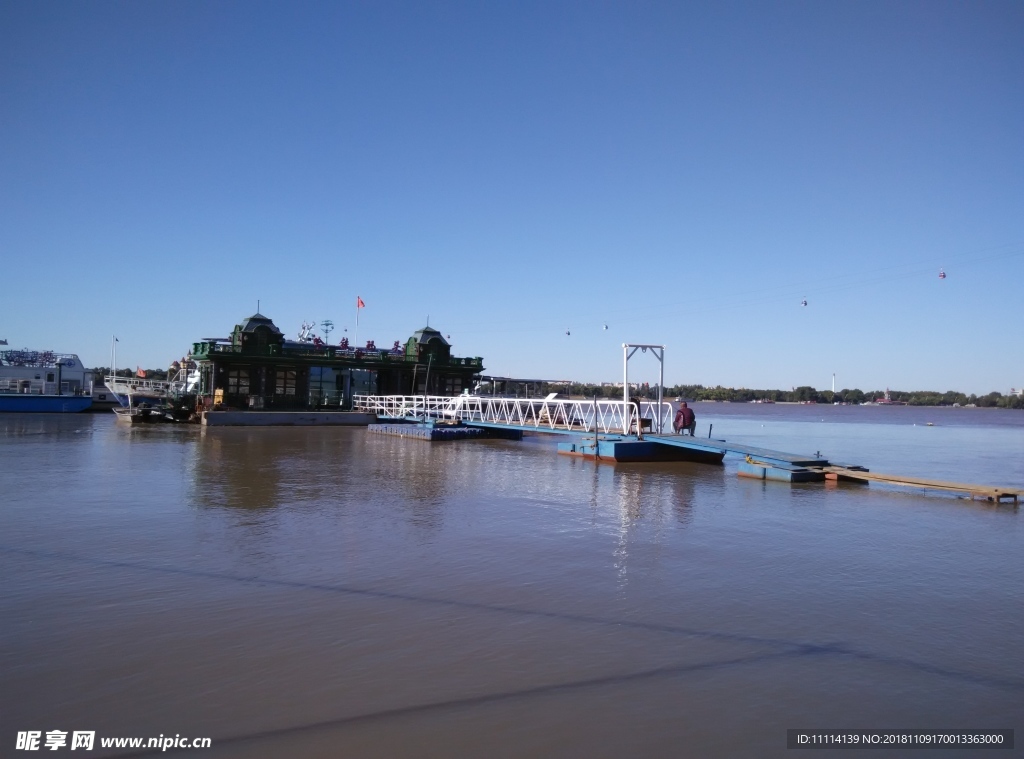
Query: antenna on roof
pixel 257 305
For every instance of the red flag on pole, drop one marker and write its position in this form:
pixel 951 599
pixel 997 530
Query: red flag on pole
pixel 141 373
pixel 359 302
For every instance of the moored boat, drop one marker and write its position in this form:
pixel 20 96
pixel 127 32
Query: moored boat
pixel 134 391
pixel 144 414
pixel 103 399
pixel 38 403
pixel 44 382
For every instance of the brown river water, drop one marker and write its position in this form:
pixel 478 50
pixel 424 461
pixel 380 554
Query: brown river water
pixel 332 593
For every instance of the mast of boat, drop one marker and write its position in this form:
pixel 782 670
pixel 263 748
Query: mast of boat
pixel 113 361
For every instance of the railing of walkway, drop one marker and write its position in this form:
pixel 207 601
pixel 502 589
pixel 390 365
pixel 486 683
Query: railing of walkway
pixel 606 416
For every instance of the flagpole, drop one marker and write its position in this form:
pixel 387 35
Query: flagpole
pixel 355 340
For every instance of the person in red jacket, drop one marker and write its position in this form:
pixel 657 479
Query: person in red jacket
pixel 685 420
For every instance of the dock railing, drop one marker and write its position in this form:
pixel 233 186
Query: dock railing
pixel 122 385
pixel 601 416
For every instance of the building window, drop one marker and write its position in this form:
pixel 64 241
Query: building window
pixel 285 384
pixel 453 386
pixel 364 382
pixel 238 382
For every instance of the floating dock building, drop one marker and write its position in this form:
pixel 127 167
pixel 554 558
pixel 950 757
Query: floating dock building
pixel 257 368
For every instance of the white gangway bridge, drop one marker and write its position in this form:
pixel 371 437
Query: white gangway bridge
pixel 550 414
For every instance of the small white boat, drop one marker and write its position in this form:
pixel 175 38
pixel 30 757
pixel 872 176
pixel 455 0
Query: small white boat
pixel 143 414
pixel 134 391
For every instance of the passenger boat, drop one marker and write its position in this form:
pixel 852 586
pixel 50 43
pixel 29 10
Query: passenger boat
pixel 43 403
pixel 44 382
pixel 103 399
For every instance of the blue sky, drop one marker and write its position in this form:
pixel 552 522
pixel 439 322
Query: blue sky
pixel 684 173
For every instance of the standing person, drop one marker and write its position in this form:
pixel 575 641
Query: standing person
pixel 685 420
pixel 637 400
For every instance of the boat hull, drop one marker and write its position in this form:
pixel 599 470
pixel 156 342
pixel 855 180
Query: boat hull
pixel 33 403
pixel 144 415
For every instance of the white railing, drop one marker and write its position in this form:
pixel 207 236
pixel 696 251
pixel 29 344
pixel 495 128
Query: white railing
pixel 606 416
pixel 126 385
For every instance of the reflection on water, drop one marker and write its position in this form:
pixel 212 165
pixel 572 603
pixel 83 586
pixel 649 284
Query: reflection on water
pixel 983 446
pixel 324 592
pixel 240 469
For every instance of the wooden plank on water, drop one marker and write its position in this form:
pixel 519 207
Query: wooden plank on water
pixel 759 454
pixel 975 491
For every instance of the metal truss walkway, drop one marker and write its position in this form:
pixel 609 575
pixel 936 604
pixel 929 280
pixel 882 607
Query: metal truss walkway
pixel 532 414
pixel 553 415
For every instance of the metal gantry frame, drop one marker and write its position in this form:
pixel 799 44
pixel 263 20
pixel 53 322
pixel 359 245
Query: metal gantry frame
pixel 659 353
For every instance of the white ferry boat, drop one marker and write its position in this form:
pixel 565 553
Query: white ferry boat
pixel 34 381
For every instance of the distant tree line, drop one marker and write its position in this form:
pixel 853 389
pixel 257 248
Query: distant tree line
pixel 803 394
pixel 154 374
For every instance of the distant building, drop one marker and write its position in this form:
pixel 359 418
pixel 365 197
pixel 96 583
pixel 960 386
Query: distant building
pixel 257 367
